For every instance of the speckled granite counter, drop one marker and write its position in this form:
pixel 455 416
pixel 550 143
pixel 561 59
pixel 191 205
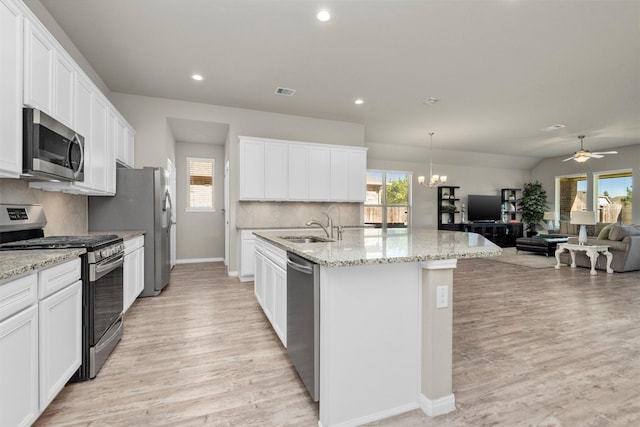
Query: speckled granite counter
pixel 126 235
pixel 16 263
pixel 378 246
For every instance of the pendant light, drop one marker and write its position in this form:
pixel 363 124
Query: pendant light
pixel 435 179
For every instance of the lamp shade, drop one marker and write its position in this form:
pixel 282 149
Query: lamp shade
pixel 549 216
pixel 583 217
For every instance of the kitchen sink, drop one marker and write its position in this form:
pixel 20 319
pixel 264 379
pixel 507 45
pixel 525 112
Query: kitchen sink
pixel 306 239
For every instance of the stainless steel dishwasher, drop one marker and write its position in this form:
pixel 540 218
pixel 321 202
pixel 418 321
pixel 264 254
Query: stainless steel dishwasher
pixel 303 325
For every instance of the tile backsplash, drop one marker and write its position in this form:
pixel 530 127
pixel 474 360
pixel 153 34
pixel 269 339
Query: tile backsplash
pixel 66 213
pixel 256 215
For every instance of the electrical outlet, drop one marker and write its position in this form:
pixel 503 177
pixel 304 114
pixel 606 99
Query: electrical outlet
pixel 442 298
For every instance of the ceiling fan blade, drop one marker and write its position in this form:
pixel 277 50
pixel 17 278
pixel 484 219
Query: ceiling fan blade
pixel 596 156
pixel 567 159
pixel 605 152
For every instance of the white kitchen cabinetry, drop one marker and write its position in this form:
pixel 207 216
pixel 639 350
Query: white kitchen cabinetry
pixel 124 143
pixel 270 286
pixel 40 340
pixel 39 59
pixel 258 282
pixel 52 82
pixel 319 173
pixel 133 270
pixel 252 167
pixel 296 171
pixel 11 35
pixel 276 180
pixel 19 351
pixel 247 255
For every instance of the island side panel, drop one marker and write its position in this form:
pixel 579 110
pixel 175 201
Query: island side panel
pixel 369 342
pixel 437 396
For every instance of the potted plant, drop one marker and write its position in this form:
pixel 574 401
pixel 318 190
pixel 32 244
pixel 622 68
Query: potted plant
pixel 533 206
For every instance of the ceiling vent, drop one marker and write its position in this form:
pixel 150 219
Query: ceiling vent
pixel 285 91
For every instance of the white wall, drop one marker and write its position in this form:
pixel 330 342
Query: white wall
pixel 627 158
pixel 200 235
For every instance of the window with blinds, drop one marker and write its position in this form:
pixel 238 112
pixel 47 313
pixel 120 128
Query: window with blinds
pixel 200 183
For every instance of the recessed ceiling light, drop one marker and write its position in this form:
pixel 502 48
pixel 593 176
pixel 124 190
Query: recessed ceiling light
pixel 552 127
pixel 359 101
pixel 197 77
pixel 323 15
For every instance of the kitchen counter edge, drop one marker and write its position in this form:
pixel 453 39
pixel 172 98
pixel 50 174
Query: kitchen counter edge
pixel 303 250
pixel 17 263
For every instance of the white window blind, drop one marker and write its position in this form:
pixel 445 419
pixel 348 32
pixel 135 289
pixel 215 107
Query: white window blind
pixel 200 183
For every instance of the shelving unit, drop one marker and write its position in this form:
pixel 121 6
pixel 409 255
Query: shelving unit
pixel 447 215
pixel 510 199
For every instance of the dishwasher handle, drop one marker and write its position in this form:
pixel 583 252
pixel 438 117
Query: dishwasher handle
pixel 305 269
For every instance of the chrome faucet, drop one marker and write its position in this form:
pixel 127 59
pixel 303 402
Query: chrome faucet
pixel 319 224
pixel 328 229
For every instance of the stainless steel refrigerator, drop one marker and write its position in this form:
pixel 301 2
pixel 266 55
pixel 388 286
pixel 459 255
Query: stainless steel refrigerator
pixel 142 202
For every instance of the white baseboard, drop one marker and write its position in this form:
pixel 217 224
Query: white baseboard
pixel 232 274
pixel 440 406
pixel 375 416
pixel 198 260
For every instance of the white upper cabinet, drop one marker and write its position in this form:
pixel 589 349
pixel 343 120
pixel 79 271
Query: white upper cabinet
pixel 320 173
pixel 39 73
pixel 296 171
pixel 63 87
pixel 276 165
pixel 11 35
pixel 39 59
pixel 339 174
pixel 252 161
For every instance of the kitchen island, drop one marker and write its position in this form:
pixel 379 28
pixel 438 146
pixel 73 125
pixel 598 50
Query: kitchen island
pixel 385 318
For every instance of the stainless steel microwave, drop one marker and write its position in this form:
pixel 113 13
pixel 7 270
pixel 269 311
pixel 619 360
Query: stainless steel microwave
pixel 51 151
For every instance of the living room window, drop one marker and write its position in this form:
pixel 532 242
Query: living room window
pixel 388 199
pixel 614 190
pixel 572 195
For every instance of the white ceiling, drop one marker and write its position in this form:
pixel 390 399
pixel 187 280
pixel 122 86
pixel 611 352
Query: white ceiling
pixel 502 69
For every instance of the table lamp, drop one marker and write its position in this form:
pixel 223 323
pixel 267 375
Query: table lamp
pixel 549 217
pixel 583 218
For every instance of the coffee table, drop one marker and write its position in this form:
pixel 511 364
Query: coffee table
pixel 545 244
pixel 592 252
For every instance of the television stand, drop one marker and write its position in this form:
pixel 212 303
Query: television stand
pixel 500 233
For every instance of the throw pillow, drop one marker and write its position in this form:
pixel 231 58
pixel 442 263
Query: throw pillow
pixel 619 232
pixel 604 233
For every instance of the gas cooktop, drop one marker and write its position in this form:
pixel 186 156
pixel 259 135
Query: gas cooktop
pixel 60 242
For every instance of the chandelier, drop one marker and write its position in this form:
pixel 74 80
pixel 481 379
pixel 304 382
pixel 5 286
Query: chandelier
pixel 435 179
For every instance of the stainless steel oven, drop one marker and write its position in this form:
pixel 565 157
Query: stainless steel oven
pixel 104 306
pixel 21 227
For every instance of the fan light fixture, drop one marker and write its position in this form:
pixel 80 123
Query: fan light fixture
pixel 583 155
pixel 435 179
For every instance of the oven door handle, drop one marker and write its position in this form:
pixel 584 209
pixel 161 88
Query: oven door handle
pixel 104 268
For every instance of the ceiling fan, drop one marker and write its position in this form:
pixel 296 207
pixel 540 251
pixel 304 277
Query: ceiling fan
pixel 583 155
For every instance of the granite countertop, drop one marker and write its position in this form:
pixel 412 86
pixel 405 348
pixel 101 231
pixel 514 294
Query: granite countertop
pixel 379 246
pixel 126 235
pixel 17 263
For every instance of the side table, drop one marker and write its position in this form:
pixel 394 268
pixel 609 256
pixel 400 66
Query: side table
pixel 592 252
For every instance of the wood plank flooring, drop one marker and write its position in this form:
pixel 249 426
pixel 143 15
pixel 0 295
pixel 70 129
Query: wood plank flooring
pixel 532 347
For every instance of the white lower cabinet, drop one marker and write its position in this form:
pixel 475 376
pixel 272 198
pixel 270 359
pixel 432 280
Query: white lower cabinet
pixel 40 340
pixel 133 281
pixel 19 368
pixel 270 286
pixel 60 327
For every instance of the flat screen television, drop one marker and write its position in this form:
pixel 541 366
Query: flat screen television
pixel 482 208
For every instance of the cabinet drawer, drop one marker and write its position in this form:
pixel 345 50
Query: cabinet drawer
pixel 55 278
pixel 17 295
pixel 133 244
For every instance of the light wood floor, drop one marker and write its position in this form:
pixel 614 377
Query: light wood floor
pixel 532 347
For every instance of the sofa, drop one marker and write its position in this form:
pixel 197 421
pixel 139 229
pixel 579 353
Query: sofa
pixel 624 245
